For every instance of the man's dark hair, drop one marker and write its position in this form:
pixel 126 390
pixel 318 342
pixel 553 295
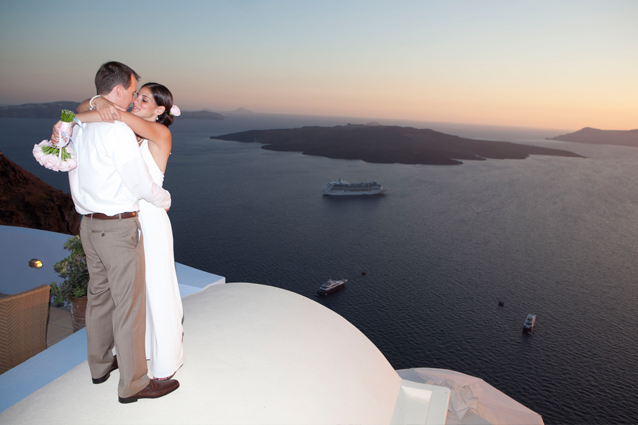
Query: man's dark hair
pixel 111 74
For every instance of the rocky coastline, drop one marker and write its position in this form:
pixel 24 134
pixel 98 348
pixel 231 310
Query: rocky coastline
pixel 27 201
pixel 52 110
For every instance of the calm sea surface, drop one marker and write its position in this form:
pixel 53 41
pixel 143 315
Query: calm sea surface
pixel 553 236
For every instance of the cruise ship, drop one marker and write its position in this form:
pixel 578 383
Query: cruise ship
pixel 343 188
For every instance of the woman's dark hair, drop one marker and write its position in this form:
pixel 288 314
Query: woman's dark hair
pixel 163 97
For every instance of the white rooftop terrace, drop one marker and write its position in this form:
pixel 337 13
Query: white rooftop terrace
pixel 255 354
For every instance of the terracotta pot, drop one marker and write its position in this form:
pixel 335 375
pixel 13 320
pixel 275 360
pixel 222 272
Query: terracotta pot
pixel 78 311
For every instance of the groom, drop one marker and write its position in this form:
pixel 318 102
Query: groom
pixel 110 179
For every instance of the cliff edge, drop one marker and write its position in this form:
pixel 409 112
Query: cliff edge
pixel 27 201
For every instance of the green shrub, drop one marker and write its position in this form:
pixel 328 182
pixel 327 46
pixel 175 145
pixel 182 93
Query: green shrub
pixel 74 272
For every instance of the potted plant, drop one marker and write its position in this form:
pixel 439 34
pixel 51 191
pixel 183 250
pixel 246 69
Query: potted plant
pixel 72 291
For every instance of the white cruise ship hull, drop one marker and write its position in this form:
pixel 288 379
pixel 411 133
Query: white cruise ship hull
pixel 343 188
pixel 353 193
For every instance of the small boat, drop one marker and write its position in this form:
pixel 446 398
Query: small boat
pixel 331 286
pixel 529 324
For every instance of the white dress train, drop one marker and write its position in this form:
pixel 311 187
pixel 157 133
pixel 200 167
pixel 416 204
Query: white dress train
pixel 164 314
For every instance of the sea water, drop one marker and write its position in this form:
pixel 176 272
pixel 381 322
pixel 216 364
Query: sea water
pixel 546 235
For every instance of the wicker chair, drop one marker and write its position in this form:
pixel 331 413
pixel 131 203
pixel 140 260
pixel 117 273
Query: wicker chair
pixel 23 326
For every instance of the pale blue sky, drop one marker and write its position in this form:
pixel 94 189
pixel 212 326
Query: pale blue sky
pixel 560 64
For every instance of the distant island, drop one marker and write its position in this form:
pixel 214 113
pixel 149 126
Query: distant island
pixel 388 144
pixel 52 110
pixel 601 137
pixel 201 115
pixel 241 110
pixel 38 110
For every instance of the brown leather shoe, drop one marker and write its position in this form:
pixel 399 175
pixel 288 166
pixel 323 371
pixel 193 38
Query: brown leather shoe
pixel 105 377
pixel 154 389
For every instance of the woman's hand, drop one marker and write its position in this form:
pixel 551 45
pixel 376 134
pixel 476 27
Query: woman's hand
pixel 56 132
pixel 109 112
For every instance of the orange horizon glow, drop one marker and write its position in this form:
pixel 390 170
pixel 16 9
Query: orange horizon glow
pixel 487 63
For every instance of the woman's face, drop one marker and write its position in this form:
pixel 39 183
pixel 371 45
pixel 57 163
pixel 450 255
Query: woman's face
pixel 144 105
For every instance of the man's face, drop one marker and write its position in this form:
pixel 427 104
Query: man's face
pixel 129 94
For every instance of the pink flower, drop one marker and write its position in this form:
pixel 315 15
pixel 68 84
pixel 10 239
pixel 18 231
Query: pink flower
pixel 38 154
pixel 68 165
pixel 52 161
pixel 175 111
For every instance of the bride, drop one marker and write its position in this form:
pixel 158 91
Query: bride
pixel 152 114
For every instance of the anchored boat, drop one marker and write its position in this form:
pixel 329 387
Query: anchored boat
pixel 529 324
pixel 331 286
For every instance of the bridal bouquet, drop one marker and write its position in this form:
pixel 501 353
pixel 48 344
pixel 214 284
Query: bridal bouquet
pixel 57 156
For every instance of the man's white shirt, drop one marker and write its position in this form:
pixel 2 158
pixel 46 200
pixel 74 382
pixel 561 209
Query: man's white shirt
pixel 111 175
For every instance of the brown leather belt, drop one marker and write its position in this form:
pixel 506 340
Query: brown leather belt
pixel 112 217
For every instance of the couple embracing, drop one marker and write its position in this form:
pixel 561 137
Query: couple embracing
pixel 134 303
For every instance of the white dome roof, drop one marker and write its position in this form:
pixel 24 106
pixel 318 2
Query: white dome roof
pixel 276 357
pixel 254 355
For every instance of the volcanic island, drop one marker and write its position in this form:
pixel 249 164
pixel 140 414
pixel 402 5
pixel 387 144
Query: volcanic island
pixel 601 137
pixel 388 144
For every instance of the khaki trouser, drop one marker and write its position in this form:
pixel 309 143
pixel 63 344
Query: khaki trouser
pixel 116 306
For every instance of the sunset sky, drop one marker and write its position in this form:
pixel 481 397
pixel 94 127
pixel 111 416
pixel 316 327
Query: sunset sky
pixel 550 64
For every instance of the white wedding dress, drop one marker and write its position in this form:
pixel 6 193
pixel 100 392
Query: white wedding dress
pixel 164 314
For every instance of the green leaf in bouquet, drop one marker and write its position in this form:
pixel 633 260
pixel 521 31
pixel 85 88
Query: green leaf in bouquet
pixel 50 150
